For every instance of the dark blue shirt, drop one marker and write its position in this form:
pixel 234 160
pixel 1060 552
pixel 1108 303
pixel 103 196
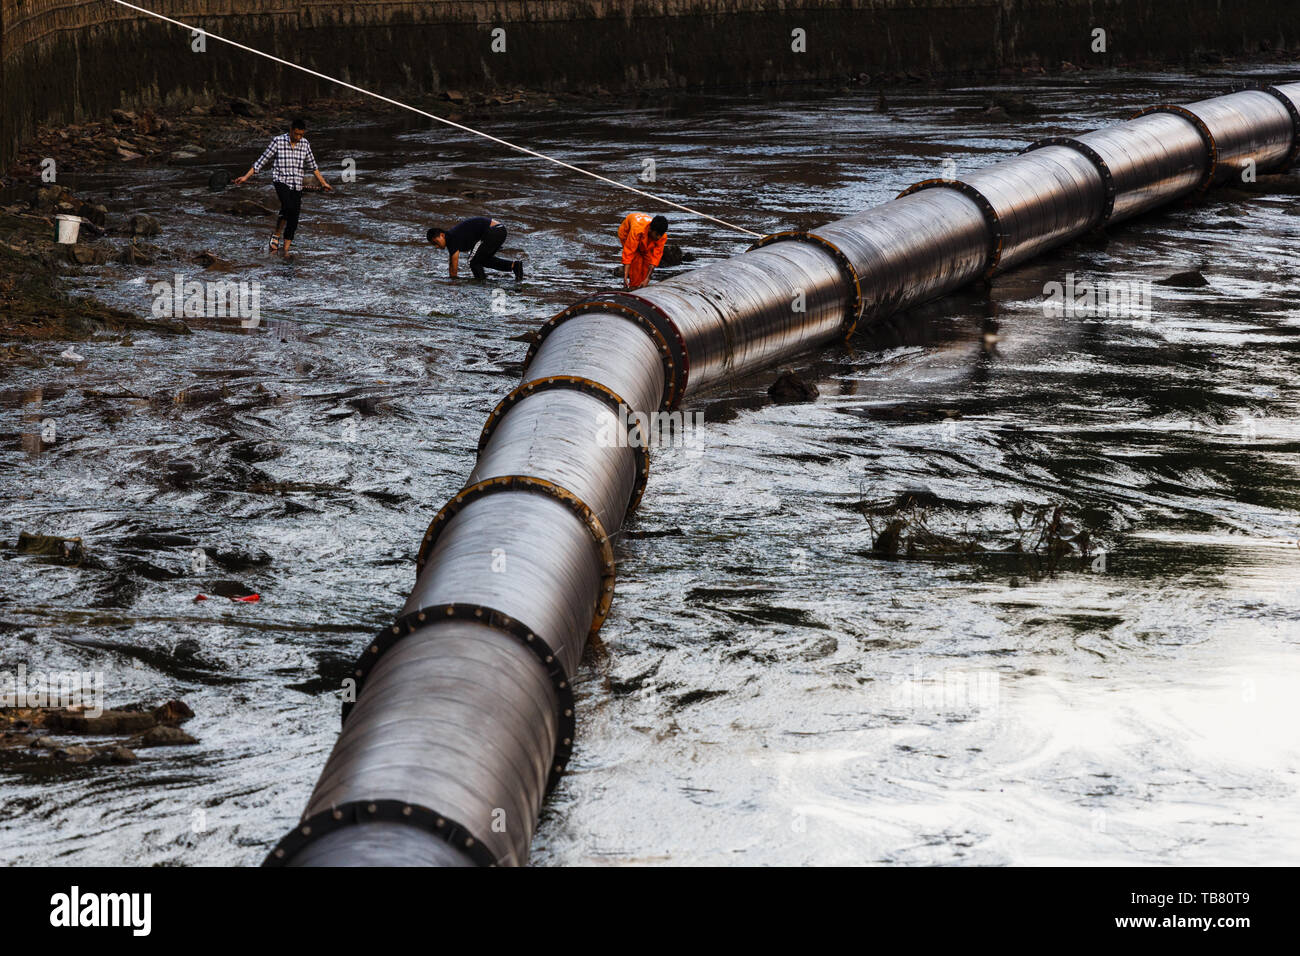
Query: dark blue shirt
pixel 466 235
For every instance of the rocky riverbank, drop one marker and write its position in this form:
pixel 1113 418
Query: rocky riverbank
pixel 33 193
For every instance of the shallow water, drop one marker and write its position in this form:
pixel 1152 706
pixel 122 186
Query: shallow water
pixel 766 690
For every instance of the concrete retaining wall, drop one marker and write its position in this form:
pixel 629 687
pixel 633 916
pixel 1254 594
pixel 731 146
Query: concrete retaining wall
pixel 66 60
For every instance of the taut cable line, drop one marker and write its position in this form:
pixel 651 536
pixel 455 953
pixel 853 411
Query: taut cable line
pixel 439 119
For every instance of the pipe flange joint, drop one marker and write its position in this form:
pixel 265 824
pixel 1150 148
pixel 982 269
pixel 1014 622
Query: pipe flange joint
pixel 672 366
pixel 379 811
pixel 1107 180
pixel 1273 91
pixel 587 387
pixel 541 486
pixel 974 195
pixel 853 304
pixel 566 721
pixel 667 328
pixel 1207 137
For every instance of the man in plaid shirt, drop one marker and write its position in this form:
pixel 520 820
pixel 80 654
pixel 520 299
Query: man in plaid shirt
pixel 289 154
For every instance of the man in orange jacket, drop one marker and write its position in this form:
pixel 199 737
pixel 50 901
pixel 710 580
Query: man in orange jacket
pixel 643 246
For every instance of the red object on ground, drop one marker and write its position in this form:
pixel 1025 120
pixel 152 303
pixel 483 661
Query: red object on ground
pixel 249 599
pixel 200 597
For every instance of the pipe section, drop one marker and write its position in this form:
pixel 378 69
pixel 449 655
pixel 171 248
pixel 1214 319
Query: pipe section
pixel 463 711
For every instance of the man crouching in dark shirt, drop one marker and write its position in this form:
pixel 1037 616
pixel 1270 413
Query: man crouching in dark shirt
pixel 487 234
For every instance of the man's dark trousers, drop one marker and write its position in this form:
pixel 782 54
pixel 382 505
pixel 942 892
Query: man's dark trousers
pixel 486 254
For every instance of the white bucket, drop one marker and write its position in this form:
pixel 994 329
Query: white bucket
pixel 68 227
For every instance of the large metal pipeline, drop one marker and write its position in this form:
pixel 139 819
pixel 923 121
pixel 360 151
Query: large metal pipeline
pixel 464 712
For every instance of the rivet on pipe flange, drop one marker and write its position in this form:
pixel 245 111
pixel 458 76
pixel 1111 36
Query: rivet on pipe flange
pixel 565 706
pixel 1108 181
pixel 537 486
pixel 673 391
pixel 1211 147
pixel 853 307
pixel 643 322
pixel 1273 91
pixel 368 811
pixel 587 387
pixel 986 207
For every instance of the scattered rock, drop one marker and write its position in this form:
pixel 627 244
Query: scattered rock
pixel 180 472
pixel 1013 103
pixel 127 155
pixel 249 207
pixel 45 743
pixel 50 197
pixel 173 712
pixel 121 754
pixel 149 124
pixel 142 224
pixel 138 254
pixel 230 589
pixel 109 722
pixel 77 752
pixel 1185 280
pixel 210 261
pixel 85 255
pixel 95 213
pixel 123 117
pixel 366 405
pixel 789 388
pixel 165 736
pixel 455 96
pixel 242 107
pixel 65 550
pixel 673 255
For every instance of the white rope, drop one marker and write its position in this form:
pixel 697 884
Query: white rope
pixel 439 119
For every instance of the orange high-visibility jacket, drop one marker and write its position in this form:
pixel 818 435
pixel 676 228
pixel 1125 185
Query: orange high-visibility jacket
pixel 639 253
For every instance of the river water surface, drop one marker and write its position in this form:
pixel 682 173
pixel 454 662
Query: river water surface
pixel 767 689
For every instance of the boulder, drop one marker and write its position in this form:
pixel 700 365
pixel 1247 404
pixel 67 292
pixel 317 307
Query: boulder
pixel 108 722
pixel 165 736
pixel 139 254
pixel 84 255
pixel 249 207
pixel 144 225
pixel 1192 279
pixel 789 388
pixel 242 107
pixel 210 261
pixel 49 197
pixel 95 213
pixel 173 712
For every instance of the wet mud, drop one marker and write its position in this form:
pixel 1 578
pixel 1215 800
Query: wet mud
pixel 1077 645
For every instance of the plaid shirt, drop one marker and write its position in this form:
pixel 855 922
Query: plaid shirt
pixel 290 160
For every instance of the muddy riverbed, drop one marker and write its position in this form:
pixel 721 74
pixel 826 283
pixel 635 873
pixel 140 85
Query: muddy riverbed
pixel 768 689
